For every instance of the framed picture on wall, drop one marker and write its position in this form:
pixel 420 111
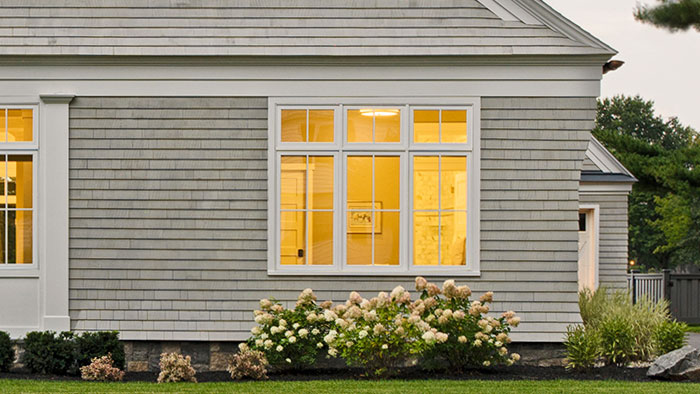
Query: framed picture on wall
pixel 360 219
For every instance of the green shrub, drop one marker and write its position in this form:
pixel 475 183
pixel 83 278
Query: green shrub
pixel 644 317
pixel 670 335
pixel 91 345
pixel 582 347
pixel 617 340
pixel 7 353
pixel 49 353
pixel 291 337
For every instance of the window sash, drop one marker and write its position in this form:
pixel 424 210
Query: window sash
pixel 406 149
pixel 33 209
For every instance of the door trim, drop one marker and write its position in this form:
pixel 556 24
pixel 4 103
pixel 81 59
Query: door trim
pixel 594 210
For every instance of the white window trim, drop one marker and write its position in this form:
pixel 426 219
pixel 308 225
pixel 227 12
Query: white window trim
pixel 32 149
pixel 406 149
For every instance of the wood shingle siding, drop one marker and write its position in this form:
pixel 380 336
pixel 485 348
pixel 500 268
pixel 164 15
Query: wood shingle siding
pixel 613 238
pixel 281 27
pixel 168 216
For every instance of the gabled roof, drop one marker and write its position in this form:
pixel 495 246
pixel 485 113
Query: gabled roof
pixel 601 166
pixel 290 28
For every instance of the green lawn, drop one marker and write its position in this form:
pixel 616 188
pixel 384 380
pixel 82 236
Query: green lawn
pixel 694 328
pixel 351 386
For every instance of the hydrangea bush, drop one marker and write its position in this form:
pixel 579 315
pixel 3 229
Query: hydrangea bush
pixel 248 363
pixel 387 331
pixel 176 368
pixel 291 337
pixel 380 334
pixel 473 337
pixel 101 369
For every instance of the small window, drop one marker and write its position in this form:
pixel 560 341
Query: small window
pixel 308 125
pixel 17 177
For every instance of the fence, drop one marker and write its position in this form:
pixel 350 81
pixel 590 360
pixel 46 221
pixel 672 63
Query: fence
pixel 682 290
pixel 650 285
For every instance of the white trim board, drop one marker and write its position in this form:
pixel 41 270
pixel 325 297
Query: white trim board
pixel 605 160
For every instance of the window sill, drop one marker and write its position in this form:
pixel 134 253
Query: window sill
pixel 19 272
pixel 377 273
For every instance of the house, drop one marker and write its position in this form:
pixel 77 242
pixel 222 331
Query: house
pixel 169 165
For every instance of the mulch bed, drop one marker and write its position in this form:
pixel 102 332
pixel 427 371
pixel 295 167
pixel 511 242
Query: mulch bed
pixel 520 372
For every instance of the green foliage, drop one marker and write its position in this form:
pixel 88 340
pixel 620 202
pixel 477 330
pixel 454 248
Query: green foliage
pixel 91 345
pixel 617 340
pixel 670 335
pixel 664 206
pixel 47 352
pixel 582 347
pixel 290 337
pixel 671 14
pixel 613 311
pixel 7 353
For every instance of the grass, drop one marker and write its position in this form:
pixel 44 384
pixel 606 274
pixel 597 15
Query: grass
pixel 350 386
pixel 694 328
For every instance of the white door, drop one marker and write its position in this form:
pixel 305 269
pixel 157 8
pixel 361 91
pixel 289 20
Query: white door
pixel 587 250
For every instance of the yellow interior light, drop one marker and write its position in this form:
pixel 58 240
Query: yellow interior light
pixel 379 112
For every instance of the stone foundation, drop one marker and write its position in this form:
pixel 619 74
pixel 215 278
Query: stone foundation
pixel 142 356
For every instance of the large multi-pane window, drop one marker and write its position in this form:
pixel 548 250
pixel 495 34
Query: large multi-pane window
pixel 374 189
pixel 17 166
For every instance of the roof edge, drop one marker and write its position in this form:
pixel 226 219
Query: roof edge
pixel 605 161
pixel 393 61
pixel 555 20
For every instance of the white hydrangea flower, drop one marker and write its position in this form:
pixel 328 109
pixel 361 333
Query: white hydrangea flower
pixel 315 331
pixel 319 345
pixel 292 339
pixel 279 348
pixel 296 326
pixel 385 346
pixel 362 334
pixel 303 332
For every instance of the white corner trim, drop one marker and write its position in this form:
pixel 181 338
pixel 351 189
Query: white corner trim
pixel 605 160
pixel 509 11
pixel 53 207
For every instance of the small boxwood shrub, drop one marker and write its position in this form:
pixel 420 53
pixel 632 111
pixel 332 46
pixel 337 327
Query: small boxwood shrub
pixel 670 336
pixel 7 353
pixel 91 345
pixel 49 353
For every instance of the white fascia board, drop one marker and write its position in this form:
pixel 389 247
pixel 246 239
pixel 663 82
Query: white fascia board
pixel 556 21
pixel 605 188
pixel 605 160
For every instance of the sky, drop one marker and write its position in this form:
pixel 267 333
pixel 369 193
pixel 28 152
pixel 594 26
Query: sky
pixel 659 65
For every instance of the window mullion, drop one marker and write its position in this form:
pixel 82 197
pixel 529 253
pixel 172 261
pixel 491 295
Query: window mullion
pixel 439 212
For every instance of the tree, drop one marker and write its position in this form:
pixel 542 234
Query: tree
pixel 664 209
pixel 671 14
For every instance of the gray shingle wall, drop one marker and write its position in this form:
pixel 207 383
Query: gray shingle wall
pixel 272 27
pixel 168 215
pixel 613 257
